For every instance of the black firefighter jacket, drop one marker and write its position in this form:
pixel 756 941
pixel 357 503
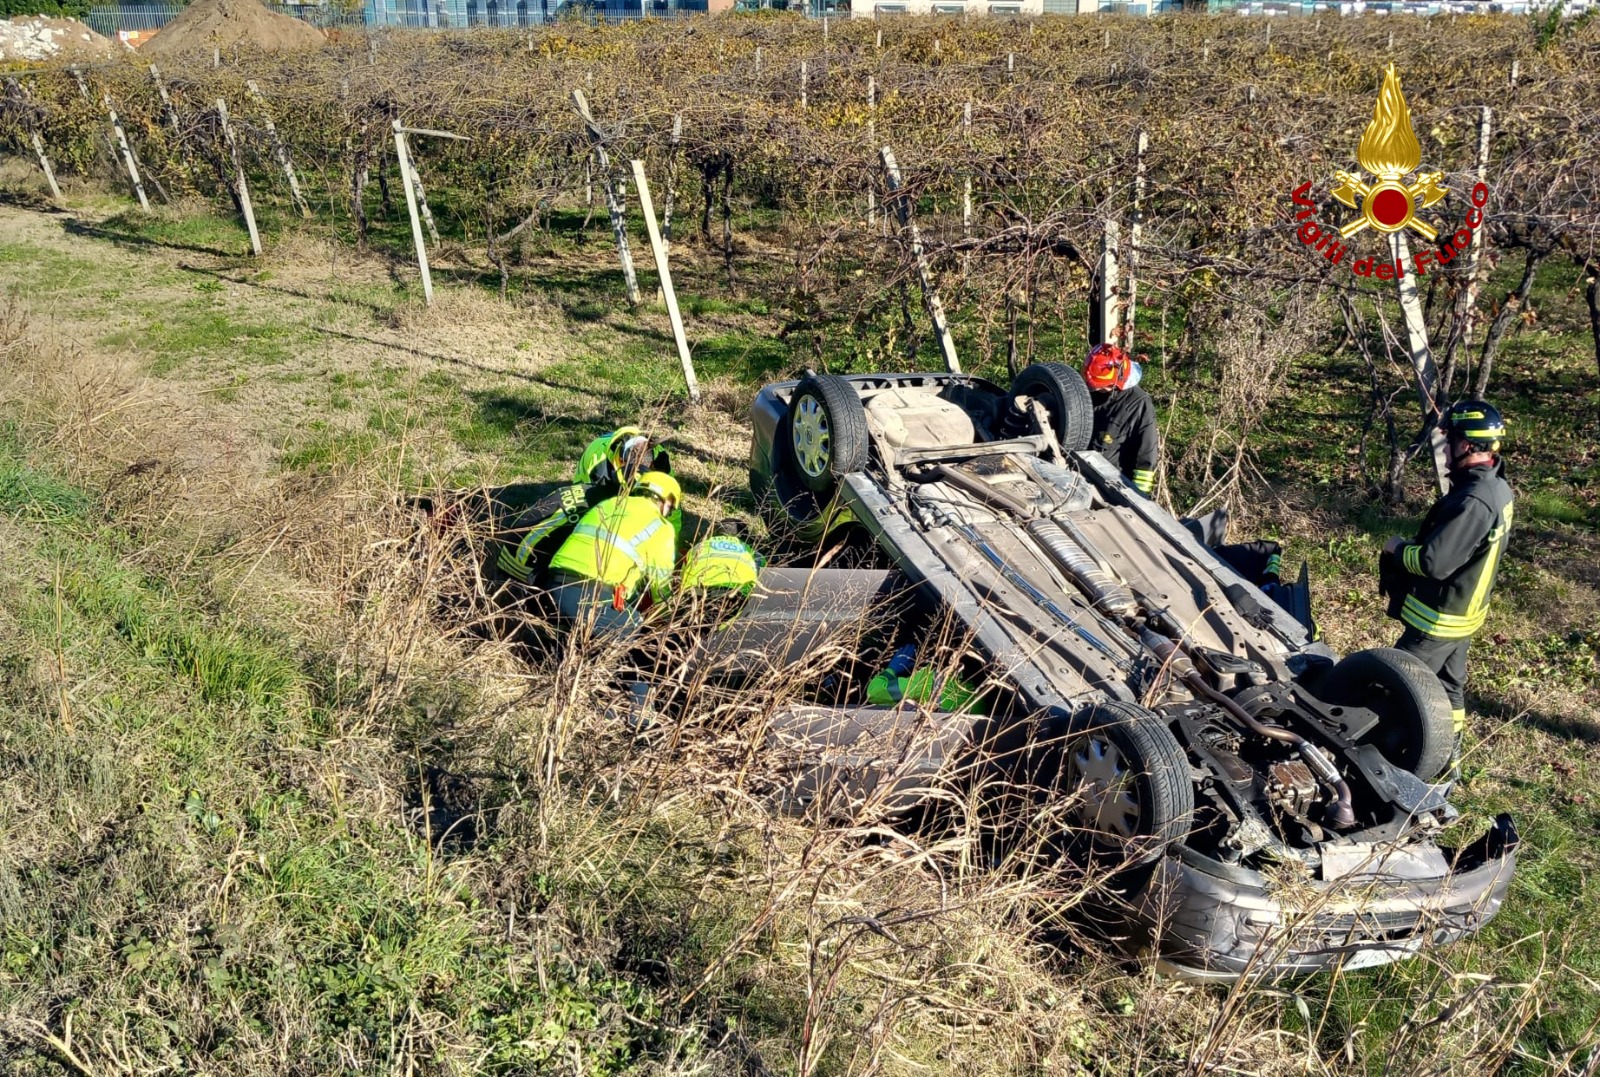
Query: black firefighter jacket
pixel 1452 563
pixel 1125 433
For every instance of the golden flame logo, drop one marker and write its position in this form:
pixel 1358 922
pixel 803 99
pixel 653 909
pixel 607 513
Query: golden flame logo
pixel 1389 145
pixel 1389 150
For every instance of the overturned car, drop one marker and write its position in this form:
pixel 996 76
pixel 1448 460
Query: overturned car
pixel 1271 809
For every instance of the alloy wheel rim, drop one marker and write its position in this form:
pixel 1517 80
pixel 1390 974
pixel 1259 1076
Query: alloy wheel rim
pixel 1105 788
pixel 813 440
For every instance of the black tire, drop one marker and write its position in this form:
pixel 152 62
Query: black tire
pixel 1127 785
pixel 1414 729
pixel 1065 397
pixel 827 433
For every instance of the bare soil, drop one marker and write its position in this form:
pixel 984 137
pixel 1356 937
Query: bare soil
pixel 208 24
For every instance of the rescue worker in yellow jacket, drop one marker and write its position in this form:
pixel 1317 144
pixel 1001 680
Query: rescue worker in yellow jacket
pixel 902 680
pixel 620 556
pixel 615 457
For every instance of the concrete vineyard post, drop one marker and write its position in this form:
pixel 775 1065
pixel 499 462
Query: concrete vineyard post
pixel 804 78
pixel 281 151
pixel 659 248
pixel 403 158
pixel 44 163
pixel 872 140
pixel 33 135
pixel 619 227
pixel 1105 313
pixel 127 154
pixel 1470 294
pixel 673 145
pixel 930 298
pixel 1421 356
pixel 241 186
pixel 966 183
pixel 1135 231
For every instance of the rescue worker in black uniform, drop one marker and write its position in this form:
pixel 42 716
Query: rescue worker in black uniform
pixel 1124 415
pixel 1439 582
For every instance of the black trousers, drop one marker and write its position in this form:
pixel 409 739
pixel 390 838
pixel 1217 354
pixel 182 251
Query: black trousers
pixel 1446 657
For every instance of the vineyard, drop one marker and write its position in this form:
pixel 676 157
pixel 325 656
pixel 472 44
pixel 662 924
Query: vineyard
pixel 260 812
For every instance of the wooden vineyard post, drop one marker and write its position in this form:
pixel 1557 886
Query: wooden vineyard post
pixel 878 41
pixel 404 160
pixel 241 186
pixel 127 154
pixel 280 151
pixel 1134 234
pixel 659 248
pixel 930 298
pixel 1421 357
pixel 673 143
pixel 1105 315
pixel 619 226
pixel 22 101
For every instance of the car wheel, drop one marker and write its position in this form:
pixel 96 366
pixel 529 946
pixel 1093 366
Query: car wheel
pixel 1065 396
pixel 827 432
pixel 1414 729
pixel 1129 783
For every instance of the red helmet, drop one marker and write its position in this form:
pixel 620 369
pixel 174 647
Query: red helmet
pixel 1109 367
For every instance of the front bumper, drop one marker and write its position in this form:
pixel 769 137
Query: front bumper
pixel 1210 921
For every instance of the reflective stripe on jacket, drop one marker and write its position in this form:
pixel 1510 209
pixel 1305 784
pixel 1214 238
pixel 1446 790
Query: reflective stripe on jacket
pixel 1453 562
pixel 622 542
pixel 1125 434
pixel 522 535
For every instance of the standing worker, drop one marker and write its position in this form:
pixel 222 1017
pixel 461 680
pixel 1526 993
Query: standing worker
pixel 1439 582
pixel 1124 415
pixel 620 554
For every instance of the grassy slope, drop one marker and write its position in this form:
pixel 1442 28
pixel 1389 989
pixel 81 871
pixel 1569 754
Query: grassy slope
pixel 237 841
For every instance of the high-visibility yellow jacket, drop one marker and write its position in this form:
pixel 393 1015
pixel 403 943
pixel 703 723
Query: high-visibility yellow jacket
pixel 622 542
pixel 721 562
pixel 597 464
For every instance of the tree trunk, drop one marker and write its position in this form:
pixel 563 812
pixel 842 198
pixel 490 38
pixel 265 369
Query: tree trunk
pixel 1591 295
pixel 1508 310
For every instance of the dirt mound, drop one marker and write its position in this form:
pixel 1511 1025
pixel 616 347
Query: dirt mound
pixel 207 24
pixel 40 37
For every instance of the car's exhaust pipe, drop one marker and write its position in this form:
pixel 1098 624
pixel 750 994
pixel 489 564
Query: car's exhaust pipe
pixel 1108 596
pixel 1171 652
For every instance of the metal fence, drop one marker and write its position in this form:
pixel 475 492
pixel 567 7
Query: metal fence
pixel 139 19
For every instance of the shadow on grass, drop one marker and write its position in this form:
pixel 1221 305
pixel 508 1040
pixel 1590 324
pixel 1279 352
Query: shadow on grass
pixel 127 237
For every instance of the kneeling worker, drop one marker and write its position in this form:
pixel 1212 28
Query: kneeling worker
pixel 620 554
pixel 1439 582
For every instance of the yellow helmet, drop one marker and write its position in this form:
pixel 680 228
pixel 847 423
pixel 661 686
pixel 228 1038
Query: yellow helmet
pixel 662 486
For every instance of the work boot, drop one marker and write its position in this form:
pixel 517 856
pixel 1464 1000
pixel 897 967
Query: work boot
pixel 1452 773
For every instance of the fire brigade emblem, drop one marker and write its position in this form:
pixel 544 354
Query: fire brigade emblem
pixel 1389 150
